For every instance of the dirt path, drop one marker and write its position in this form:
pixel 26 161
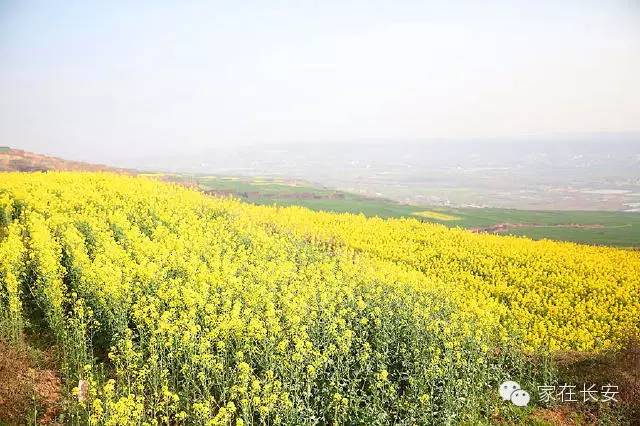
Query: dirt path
pixel 503 227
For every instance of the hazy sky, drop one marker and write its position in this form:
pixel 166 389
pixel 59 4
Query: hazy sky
pixel 89 80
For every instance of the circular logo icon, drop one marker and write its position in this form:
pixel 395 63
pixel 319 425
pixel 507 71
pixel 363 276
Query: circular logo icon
pixel 507 388
pixel 520 398
pixel 511 391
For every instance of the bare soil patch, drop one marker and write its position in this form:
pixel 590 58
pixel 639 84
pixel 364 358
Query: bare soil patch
pixel 504 227
pixel 619 368
pixel 27 391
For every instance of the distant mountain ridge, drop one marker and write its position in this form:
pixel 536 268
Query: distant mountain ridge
pixel 17 160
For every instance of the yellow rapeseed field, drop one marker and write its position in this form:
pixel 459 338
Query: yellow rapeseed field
pixel 430 214
pixel 179 308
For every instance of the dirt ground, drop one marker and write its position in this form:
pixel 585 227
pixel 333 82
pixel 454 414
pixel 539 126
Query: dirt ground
pixel 30 390
pixel 620 368
pixel 504 227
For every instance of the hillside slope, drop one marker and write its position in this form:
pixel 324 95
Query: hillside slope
pixel 168 305
pixel 620 229
pixel 16 160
